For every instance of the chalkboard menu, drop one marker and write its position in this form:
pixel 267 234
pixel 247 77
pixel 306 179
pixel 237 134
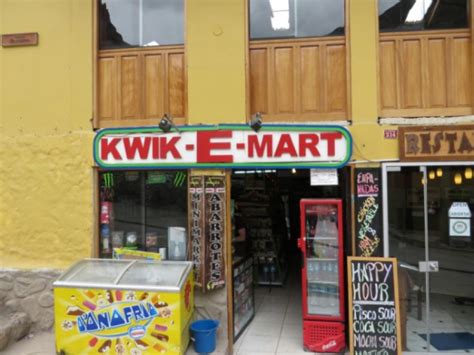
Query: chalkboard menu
pixel 368 212
pixel 374 316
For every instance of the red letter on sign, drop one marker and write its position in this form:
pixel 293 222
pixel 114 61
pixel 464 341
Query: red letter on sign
pixel 331 139
pixel 109 147
pixel 170 147
pixel 137 146
pixel 285 146
pixel 309 141
pixel 205 146
pixel 259 147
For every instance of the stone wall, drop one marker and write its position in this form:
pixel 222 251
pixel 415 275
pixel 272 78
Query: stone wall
pixel 29 292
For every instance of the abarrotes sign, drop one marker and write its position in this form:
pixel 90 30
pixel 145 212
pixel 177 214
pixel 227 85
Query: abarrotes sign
pixel 223 146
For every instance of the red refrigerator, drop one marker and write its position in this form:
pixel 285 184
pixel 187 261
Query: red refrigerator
pixel 322 275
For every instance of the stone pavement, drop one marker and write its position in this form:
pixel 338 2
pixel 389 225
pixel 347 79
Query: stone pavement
pixel 43 344
pixel 33 344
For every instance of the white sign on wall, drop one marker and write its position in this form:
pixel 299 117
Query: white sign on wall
pixel 324 177
pixel 459 220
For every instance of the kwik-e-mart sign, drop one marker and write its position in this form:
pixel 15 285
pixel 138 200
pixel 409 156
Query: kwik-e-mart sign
pixel 223 146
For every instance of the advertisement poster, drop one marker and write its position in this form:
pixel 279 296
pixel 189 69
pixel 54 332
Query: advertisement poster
pixel 101 321
pixel 368 212
pixel 197 227
pixel 214 266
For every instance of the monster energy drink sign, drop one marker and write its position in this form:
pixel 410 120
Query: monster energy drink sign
pixel 176 179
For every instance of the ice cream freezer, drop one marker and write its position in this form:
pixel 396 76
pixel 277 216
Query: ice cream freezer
pixel 124 307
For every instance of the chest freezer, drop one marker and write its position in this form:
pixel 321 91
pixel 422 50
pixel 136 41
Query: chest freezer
pixel 124 307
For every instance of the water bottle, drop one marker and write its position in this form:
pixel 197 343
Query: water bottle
pixel 316 297
pixel 265 272
pixel 324 271
pixel 332 295
pixel 322 295
pixel 330 272
pixel 272 271
pixel 316 271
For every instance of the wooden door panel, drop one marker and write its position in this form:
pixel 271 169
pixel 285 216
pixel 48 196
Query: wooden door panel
pixel 462 72
pixel 129 87
pixel 411 74
pixel 431 70
pixel 298 79
pixel 154 86
pixel 311 79
pixel 336 78
pixel 107 88
pixel 437 86
pixel 176 84
pixel 284 80
pixel 137 86
pixel 258 80
pixel 388 75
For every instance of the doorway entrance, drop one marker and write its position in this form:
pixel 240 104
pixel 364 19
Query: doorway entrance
pixel 266 218
pixel 428 227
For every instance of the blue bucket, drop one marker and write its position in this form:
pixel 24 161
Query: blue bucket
pixel 203 333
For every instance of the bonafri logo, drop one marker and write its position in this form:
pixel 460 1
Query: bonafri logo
pixel 118 319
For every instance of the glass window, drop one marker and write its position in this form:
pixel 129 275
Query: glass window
pixel 408 15
pixel 296 18
pixel 140 23
pixel 139 209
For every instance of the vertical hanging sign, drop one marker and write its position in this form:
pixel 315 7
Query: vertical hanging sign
pixel 368 212
pixel 214 266
pixel 197 227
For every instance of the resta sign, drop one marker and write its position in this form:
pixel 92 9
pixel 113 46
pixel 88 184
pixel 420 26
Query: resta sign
pixel 223 146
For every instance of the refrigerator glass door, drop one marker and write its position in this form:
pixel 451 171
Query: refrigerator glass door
pixel 165 274
pixel 322 260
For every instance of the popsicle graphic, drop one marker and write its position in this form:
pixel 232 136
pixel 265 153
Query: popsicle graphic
pixel 89 305
pixel 93 342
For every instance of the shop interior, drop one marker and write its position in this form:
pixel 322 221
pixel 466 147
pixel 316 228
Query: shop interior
pixel 444 312
pixel 267 262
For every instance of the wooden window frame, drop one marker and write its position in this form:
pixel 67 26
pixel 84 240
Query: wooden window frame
pixel 299 117
pixel 423 112
pixel 140 52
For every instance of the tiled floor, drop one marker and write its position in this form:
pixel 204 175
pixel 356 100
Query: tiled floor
pixel 277 326
pixel 445 317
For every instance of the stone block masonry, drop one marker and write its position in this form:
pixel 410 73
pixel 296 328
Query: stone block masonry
pixel 30 293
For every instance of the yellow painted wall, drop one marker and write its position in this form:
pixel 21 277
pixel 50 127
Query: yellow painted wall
pixel 368 135
pixel 215 51
pixel 46 136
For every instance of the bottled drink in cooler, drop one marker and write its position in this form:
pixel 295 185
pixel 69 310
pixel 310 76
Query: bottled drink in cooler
pixel 333 295
pixel 324 271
